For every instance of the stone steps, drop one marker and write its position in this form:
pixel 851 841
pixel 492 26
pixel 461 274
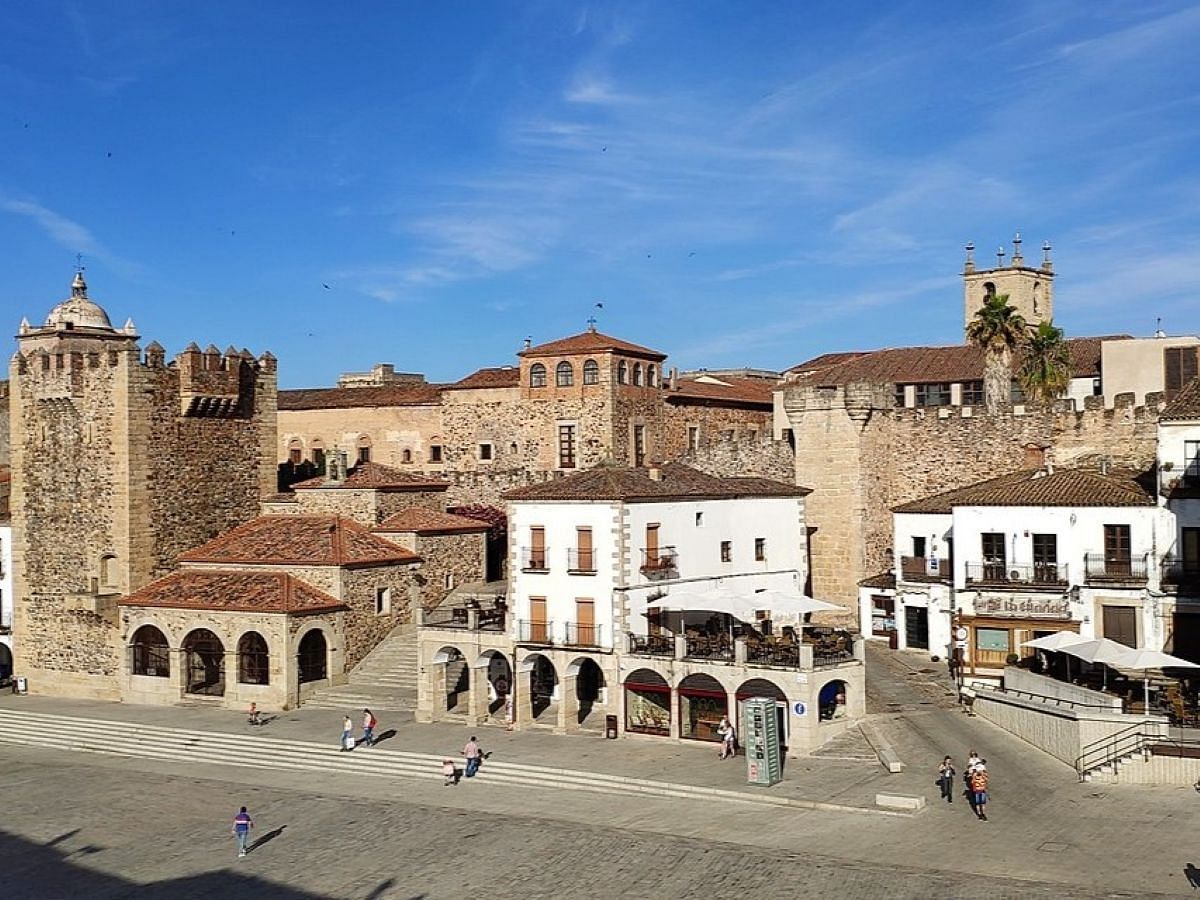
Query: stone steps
pixel 385 679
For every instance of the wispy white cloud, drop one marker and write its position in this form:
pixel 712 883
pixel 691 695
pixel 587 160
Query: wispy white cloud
pixel 69 233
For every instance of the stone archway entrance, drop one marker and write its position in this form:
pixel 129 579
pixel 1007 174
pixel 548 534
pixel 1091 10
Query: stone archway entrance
pixel 451 681
pixel 204 664
pixel 763 687
pixel 313 657
pixel 542 687
pixel 590 691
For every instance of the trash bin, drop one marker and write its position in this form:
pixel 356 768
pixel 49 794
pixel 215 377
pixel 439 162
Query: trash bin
pixel 610 727
pixel 893 639
pixel 20 685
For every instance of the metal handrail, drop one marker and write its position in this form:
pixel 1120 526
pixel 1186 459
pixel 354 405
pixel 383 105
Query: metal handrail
pixel 534 559
pixel 1106 566
pixel 658 559
pixel 652 644
pixel 583 635
pixel 1057 701
pixel 581 561
pixel 535 632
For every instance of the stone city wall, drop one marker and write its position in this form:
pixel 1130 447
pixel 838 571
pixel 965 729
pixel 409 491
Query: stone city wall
pixel 364 627
pixel 390 429
pixel 462 556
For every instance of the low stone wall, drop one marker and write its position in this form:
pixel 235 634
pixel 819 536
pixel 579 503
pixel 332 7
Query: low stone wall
pixel 1018 679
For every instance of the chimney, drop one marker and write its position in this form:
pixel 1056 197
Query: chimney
pixel 673 383
pixel 1035 457
pixel 1105 462
pixel 655 473
pixel 528 343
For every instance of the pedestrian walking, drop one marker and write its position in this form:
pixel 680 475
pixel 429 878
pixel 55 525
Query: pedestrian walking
pixel 347 734
pixel 450 772
pixel 728 736
pixel 369 723
pixel 242 823
pixel 473 754
pixel 946 779
pixel 979 789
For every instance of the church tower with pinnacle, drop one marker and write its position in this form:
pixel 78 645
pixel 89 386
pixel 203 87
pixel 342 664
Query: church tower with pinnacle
pixel 1030 289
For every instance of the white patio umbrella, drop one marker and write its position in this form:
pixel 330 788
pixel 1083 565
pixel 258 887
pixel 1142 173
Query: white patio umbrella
pixel 790 602
pixel 1147 660
pixel 1097 650
pixel 1056 641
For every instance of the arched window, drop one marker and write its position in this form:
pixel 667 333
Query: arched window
pixel 312 656
pixel 318 453
pixel 204 658
pixel 651 376
pixel 364 449
pixel 151 656
pixel 637 374
pixel 295 452
pixel 406 455
pixel 108 570
pixel 564 375
pixel 253 659
pixel 989 290
pixel 622 373
pixel 591 372
pixel 537 375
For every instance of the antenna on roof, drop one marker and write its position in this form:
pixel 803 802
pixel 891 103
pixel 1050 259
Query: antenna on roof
pixel 1158 332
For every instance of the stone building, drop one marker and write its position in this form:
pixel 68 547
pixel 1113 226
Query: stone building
pixel 120 461
pixel 564 406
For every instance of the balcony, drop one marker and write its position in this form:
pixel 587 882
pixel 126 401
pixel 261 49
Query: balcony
pixel 1181 479
pixel 717 648
pixel 660 561
pixel 541 633
pixel 581 562
pixel 465 618
pixel 1182 575
pixel 819 648
pixel 925 569
pixel 652 645
pixel 1107 568
pixel 580 634
pixel 779 655
pixel 533 559
pixel 1043 576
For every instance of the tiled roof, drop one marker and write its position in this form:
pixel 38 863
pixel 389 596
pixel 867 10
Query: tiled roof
pixel 429 521
pixel 371 475
pixel 496 377
pixel 1036 487
pixel 350 397
pixel 234 591
pixel 960 362
pixel 588 342
pixel 885 581
pixel 1185 405
pixel 299 540
pixel 677 482
pixel 723 389
pixel 825 360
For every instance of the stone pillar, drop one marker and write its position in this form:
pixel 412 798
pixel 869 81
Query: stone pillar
pixel 478 698
pixel 680 646
pixel 524 703
pixel 739 651
pixel 674 714
pixel 437 692
pixel 178 671
pixel 568 704
pixel 806 657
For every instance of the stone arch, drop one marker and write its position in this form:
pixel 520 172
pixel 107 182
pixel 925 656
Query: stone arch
pixel 204 663
pixel 253 659
pixel 590 686
pixel 312 656
pixel 497 673
pixel 108 570
pixel 6 661
pixel 537 375
pixel 564 374
pixel 455 675
pixel 591 372
pixel 647 703
pixel 764 687
pixel 150 652
pixel 831 700
pixel 406 455
pixel 703 702
pixel 541 685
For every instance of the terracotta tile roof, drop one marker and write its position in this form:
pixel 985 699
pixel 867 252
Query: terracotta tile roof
pixel 677 482
pixel 588 342
pixel 1034 487
pixel 723 389
pixel 960 362
pixel 234 591
pixel 495 377
pixel 299 540
pixel 280 498
pixel 429 521
pixel 350 397
pixel 825 360
pixel 885 580
pixel 372 475
pixel 1185 405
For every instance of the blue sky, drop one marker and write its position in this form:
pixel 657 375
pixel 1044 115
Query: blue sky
pixel 737 183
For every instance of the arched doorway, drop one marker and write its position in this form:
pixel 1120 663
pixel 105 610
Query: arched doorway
pixel 762 687
pixel 151 655
pixel 831 700
pixel 702 704
pixel 457 678
pixel 6 662
pixel 543 684
pixel 647 703
pixel 589 687
pixel 313 657
pixel 498 674
pixel 204 661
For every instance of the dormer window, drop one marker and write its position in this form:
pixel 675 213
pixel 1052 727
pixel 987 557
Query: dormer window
pixel 564 374
pixel 591 372
pixel 537 375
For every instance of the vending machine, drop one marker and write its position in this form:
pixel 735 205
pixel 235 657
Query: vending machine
pixel 760 733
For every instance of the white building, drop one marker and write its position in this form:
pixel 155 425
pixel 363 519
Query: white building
pixel 590 554
pixel 1022 555
pixel 1179 494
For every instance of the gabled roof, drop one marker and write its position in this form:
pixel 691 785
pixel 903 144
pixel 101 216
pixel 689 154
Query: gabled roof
pixel 923 365
pixel 590 342
pixel 676 481
pixel 494 377
pixel 374 476
pixel 1038 487
pixel 350 397
pixel 1185 405
pixel 299 540
pixel 234 591
pixel 722 389
pixel 428 521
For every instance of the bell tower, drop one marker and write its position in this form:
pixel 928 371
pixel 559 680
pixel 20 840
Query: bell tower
pixel 1030 290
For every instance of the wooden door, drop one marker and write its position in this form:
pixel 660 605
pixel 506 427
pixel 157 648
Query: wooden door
pixel 1116 550
pixel 583 550
pixel 1120 624
pixel 652 561
pixel 537 547
pixel 585 622
pixel 538 626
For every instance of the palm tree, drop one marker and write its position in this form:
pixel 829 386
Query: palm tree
pixel 1045 370
pixel 997 329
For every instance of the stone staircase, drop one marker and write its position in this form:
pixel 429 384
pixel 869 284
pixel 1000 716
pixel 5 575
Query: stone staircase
pixel 386 679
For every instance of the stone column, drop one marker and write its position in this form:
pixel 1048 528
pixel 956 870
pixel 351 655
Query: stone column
pixel 478 695
pixel 178 671
pixel 568 704
pixel 437 692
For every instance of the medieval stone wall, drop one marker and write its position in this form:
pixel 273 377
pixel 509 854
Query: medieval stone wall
pixel 757 456
pixel 364 628
pixel 5 433
pixel 462 556
pixel 715 424
pixel 390 430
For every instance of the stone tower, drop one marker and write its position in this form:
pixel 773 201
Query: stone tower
pixel 120 461
pixel 1030 290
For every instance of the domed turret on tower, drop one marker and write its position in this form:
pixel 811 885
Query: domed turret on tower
pixel 78 311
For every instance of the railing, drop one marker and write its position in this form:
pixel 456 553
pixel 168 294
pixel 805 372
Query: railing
pixel 583 635
pixel 470 618
pixel 1106 567
pixel 581 562
pixel 535 632
pixel 658 559
pixel 652 645
pixel 533 559
pixel 771 654
pixel 492 619
pixel 710 648
pixel 445 617
pixel 1001 574
pixel 832 656
pixel 1137 738
pixel 1181 572
pixel 918 567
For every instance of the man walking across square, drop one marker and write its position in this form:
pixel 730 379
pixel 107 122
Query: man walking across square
pixel 242 823
pixel 979 789
pixel 471 752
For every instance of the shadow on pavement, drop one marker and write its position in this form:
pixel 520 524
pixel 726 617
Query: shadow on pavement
pixel 266 838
